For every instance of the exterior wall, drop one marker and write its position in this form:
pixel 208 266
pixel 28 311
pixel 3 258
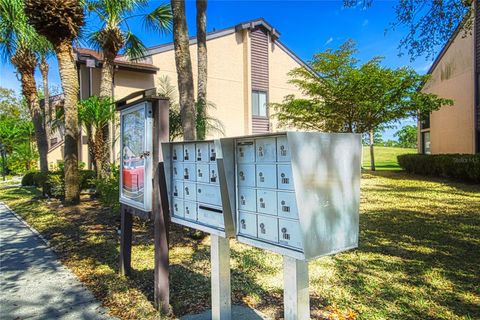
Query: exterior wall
pixel 225 79
pixel 452 127
pixel 54 156
pixel 127 82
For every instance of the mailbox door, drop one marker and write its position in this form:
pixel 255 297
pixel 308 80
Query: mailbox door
pixel 289 233
pixel 287 205
pixel 247 199
pixel 177 208
pixel 212 154
pixel 202 152
pixel 267 228
pixel 189 173
pixel 210 215
pixel 177 152
pixel 213 174
pixel 245 151
pixel 189 152
pixel 247 224
pixel 265 150
pixel 266 176
pixel 177 170
pixel 177 189
pixel 246 175
pixel 190 210
pixel 189 191
pixel 283 150
pixel 209 194
pixel 202 173
pixel 284 177
pixel 267 202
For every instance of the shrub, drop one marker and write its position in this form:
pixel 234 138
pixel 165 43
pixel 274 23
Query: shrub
pixel 108 189
pixel 464 167
pixel 87 179
pixel 28 179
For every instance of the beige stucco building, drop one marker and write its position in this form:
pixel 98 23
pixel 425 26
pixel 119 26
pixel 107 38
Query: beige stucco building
pixel 247 69
pixel 454 75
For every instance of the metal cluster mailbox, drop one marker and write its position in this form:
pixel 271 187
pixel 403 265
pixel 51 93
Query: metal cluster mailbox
pixel 298 193
pixel 194 189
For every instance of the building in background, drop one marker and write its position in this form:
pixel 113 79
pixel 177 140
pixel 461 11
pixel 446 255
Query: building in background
pixel 454 75
pixel 248 68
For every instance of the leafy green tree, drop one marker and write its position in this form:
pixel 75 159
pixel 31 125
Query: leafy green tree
pixel 94 113
pixel 339 95
pixel 19 45
pixel 115 36
pixel 407 136
pixel 429 23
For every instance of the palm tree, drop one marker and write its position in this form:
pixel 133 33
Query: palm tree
pixel 94 113
pixel 43 53
pixel 202 68
pixel 60 22
pixel 18 43
pixel 183 64
pixel 115 37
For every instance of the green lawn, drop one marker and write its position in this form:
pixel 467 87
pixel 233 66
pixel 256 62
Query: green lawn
pixel 385 157
pixel 418 257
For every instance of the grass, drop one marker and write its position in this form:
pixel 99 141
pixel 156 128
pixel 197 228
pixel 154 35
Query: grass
pixel 418 257
pixel 385 157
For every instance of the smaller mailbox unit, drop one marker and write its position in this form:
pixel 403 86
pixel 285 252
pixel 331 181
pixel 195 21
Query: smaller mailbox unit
pixel 193 185
pixel 298 193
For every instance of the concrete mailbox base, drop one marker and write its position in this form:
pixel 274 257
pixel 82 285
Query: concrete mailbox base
pixel 221 287
pixel 296 299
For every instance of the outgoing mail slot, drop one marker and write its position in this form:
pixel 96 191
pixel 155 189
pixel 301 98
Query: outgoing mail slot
pixel 246 199
pixel 289 233
pixel 177 152
pixel 189 191
pixel 190 210
pixel 267 228
pixel 177 189
pixel 177 170
pixel 177 208
pixel 202 173
pixel 246 175
pixel 247 224
pixel 265 150
pixel 189 152
pixel 201 152
pixel 283 151
pixel 267 201
pixel 212 154
pixel 245 151
pixel 213 174
pixel 210 215
pixel 287 205
pixel 209 194
pixel 266 176
pixel 189 172
pixel 284 177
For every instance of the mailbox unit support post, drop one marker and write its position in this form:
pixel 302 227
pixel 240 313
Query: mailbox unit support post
pixel 296 298
pixel 221 287
pixel 125 241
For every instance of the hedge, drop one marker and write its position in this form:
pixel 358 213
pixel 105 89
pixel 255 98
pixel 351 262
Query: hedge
pixel 465 167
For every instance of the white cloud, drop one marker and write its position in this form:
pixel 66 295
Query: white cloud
pixel 365 23
pixel 328 41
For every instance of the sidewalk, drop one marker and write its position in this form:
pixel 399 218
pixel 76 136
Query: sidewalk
pixel 33 283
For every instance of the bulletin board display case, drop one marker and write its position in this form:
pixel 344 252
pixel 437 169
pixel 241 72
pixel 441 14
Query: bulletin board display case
pixel 136 125
pixel 298 193
pixel 197 196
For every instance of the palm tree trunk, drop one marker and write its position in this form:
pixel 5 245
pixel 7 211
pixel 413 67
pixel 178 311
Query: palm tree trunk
pixel 372 156
pixel 69 77
pixel 184 69
pixel 91 149
pixel 106 91
pixel 99 147
pixel 47 111
pixel 202 68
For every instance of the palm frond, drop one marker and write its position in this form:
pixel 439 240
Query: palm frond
pixel 134 47
pixel 160 19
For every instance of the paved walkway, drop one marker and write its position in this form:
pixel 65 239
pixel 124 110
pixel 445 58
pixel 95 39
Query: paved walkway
pixel 33 283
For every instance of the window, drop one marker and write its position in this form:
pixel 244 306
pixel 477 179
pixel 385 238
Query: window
pixel 426 147
pixel 259 104
pixel 425 121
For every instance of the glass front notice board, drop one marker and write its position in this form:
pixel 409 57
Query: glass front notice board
pixel 136 160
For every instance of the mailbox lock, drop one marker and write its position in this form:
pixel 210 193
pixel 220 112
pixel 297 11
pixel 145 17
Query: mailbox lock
pixel 213 177
pixel 286 236
pixel 242 222
pixel 212 155
pixel 174 154
pixel 145 154
pixel 262 203
pixel 186 155
pixel 199 190
pixel 285 180
pixel 262 228
pixel 284 207
pixel 242 175
pixel 200 174
pixel 262 178
pixel 242 200
pixel 185 173
pixel 283 152
pixel 175 191
pixel 199 155
pixel 260 151
pixel 186 191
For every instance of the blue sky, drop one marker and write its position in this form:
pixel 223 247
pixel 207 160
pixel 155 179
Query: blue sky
pixel 306 27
